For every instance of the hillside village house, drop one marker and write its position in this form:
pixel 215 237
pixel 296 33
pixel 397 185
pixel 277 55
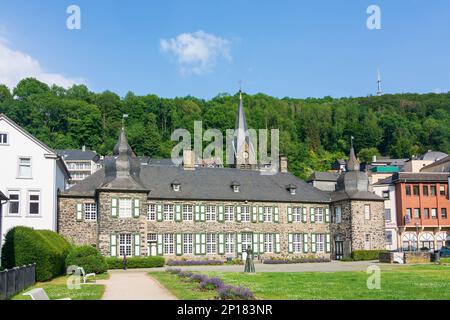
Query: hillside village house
pixel 31 176
pixel 80 163
pixel 127 208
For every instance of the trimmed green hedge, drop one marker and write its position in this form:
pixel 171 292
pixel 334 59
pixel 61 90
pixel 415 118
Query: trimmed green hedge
pixel 135 262
pixel 47 249
pixel 87 257
pixel 361 255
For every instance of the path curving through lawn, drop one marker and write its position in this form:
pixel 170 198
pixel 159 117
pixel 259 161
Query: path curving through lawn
pixel 133 285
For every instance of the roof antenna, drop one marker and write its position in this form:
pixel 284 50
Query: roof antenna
pixel 379 92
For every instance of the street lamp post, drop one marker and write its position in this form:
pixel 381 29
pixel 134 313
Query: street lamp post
pixel 417 235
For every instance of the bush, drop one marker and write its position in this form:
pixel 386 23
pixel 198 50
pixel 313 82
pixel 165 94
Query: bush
pixel 87 257
pixel 361 255
pixel 195 262
pixel 47 249
pixel 135 262
pixel 235 293
pixel 211 283
pixel 296 260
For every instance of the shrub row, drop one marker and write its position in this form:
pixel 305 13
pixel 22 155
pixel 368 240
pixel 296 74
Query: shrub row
pixel 135 262
pixel 296 260
pixel 47 249
pixel 361 255
pixel 87 257
pixel 194 262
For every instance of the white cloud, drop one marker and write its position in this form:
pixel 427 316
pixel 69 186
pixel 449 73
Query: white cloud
pixel 197 52
pixel 16 65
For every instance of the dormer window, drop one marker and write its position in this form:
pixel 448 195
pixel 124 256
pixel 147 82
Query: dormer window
pixel 236 186
pixel 292 189
pixel 176 186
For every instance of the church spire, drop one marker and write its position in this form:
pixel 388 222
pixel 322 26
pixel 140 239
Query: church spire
pixel 353 163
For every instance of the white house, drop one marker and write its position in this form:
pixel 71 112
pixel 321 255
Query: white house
pixel 31 176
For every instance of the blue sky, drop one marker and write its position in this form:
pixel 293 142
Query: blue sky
pixel 282 48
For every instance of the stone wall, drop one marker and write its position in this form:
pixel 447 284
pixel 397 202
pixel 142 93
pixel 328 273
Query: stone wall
pixel 373 227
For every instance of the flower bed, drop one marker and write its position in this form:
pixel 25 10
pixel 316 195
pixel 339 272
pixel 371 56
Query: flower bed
pixel 295 260
pixel 194 263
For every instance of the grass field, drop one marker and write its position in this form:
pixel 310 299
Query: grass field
pixel 57 289
pixel 429 282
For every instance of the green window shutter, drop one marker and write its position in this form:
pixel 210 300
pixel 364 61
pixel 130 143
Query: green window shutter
pixel 305 243
pixel 276 214
pixel 114 207
pixel 159 212
pixel 198 244
pixel 136 207
pixel 202 213
pixel 79 209
pixel 289 214
pixel 221 243
pixel 178 213
pixel 328 243
pixel 113 245
pixel 304 214
pixel 160 245
pixel 313 242
pixel 239 243
pixel 261 242
pixel 203 243
pixel 277 243
pixel 254 214
pixel 197 212
pixel 290 243
pixel 221 214
pixel 261 214
pixel 238 213
pixel 256 243
pixel 327 215
pixel 312 215
pixel 179 244
pixel 137 244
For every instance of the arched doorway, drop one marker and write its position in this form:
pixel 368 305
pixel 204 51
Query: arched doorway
pixel 409 241
pixel 426 241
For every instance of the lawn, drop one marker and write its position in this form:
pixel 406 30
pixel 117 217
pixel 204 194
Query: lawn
pixel 57 289
pixel 410 282
pixel 445 260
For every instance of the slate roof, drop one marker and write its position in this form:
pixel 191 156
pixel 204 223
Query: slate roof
pixel 419 177
pixel 3 197
pixel 211 184
pixel 78 155
pixel 354 195
pixel 323 176
pixel 433 155
pixel 442 165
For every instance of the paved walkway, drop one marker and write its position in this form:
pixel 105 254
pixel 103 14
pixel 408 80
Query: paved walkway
pixel 133 285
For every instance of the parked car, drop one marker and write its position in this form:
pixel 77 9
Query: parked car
pixel 444 252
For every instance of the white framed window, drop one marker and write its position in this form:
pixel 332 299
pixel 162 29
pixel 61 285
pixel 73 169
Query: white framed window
pixel 268 243
pixel 211 213
pixel 247 241
pixel 297 214
pixel 388 237
pixel 34 200
pixel 176 187
pixel 433 213
pixel 211 243
pixel 90 211
pixel 152 237
pixel 125 244
pixel 268 214
pixel 338 214
pixel 168 212
pixel 229 213
pixel 297 243
pixel 387 214
pixel 319 215
pixel 169 243
pixel 229 243
pixel 24 167
pixel 14 202
pixel 151 211
pixel 3 138
pixel 320 243
pixel 125 208
pixel 367 211
pixel 188 212
pixel 188 243
pixel 236 188
pixel 245 213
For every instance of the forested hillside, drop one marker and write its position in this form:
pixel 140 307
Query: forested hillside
pixel 313 132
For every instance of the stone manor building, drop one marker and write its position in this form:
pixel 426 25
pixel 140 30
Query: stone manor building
pixel 194 212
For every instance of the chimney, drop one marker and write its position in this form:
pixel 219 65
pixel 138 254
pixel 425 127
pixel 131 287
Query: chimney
pixel 83 148
pixel 283 164
pixel 189 160
pixel 374 158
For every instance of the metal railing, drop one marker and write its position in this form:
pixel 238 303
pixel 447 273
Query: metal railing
pixel 16 279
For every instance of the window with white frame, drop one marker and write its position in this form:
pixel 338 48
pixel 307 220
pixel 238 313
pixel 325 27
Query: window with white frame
pixel 245 214
pixel 188 243
pixel 229 213
pixel 268 212
pixel 14 202
pixel 211 213
pixel 151 211
pixel 387 214
pixel 125 208
pixel 319 215
pixel 268 243
pixel 388 237
pixel 297 242
pixel 188 212
pixel 125 244
pixel 34 202
pixel 296 214
pixel 229 243
pixel 367 211
pixel 24 167
pixel 3 138
pixel 90 211
pixel 152 238
pixel 211 243
pixel 168 212
pixel 320 242
pixel 169 243
pixel 338 214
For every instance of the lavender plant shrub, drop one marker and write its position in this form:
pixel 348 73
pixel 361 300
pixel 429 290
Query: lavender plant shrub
pixel 211 283
pixel 235 293
pixel 173 271
pixel 296 260
pixel 199 277
pixel 185 274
